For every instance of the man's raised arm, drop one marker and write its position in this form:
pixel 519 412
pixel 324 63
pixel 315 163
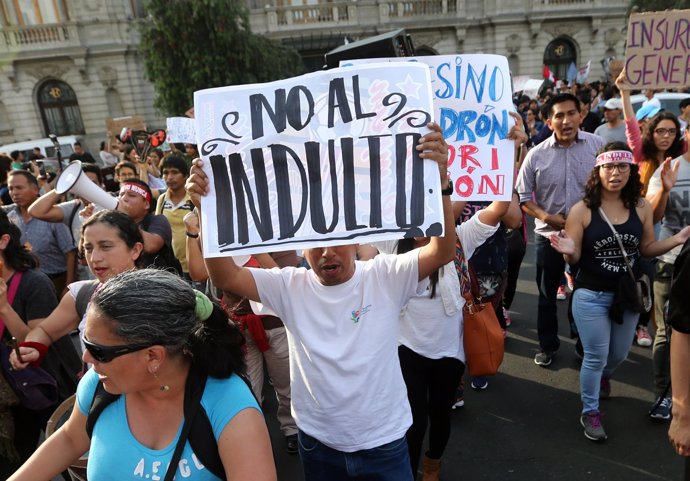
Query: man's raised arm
pixel 223 272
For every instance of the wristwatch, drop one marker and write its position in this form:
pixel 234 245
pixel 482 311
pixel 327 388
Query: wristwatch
pixel 193 236
pixel 449 189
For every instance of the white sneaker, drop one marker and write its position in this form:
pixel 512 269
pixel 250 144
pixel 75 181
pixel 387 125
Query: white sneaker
pixel 561 295
pixel 643 337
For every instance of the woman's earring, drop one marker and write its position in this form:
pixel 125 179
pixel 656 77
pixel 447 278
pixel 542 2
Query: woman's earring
pixel 163 387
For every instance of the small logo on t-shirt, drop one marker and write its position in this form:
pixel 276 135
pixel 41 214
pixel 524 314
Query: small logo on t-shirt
pixel 357 315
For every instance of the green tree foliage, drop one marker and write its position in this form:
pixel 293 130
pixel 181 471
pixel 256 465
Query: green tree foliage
pixel 658 5
pixel 189 45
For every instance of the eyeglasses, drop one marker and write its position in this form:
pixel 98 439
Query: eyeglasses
pixel 663 132
pixel 622 168
pixel 108 353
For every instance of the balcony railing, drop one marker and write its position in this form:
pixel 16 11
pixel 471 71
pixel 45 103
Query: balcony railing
pixel 39 36
pixel 414 8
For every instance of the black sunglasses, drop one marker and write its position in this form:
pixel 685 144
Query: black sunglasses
pixel 108 353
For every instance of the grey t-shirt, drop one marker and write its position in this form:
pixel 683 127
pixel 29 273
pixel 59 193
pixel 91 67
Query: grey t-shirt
pixel 611 135
pixel 677 213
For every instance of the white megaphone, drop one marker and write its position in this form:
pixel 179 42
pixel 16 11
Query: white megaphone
pixel 73 180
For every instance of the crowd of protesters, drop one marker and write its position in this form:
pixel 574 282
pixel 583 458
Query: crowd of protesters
pixel 349 391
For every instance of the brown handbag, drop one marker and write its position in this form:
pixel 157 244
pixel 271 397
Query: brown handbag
pixel 483 338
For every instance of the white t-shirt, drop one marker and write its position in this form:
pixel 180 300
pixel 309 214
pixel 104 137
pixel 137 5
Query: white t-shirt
pixel 347 388
pixel 428 326
pixel 677 213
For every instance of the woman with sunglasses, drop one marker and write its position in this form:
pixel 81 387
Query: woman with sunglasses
pixel 148 334
pixel 26 297
pixel 111 243
pixel 613 188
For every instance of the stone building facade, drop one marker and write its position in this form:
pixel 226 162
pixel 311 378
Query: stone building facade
pixel 67 65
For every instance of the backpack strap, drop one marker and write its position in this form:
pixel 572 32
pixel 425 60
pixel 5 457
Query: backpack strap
pixel 81 302
pixel 201 437
pixel 160 203
pixel 101 400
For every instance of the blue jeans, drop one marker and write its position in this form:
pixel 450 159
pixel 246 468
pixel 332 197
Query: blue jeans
pixel 606 344
pixel 389 462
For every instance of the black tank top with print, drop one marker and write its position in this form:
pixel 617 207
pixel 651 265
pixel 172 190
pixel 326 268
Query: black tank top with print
pixel 601 262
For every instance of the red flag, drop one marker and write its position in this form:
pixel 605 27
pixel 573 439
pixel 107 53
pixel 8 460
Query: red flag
pixel 548 74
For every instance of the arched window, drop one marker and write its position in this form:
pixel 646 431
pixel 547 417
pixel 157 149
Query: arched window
pixel 559 54
pixel 112 96
pixel 59 109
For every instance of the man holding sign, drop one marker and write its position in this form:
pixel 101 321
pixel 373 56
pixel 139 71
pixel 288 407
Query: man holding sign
pixel 348 395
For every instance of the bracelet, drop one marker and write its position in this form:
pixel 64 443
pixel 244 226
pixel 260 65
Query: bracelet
pixel 41 348
pixel 193 236
pixel 449 189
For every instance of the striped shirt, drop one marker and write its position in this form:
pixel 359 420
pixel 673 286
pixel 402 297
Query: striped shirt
pixel 554 176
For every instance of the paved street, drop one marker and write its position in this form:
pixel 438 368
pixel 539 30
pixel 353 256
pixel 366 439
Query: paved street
pixel 525 426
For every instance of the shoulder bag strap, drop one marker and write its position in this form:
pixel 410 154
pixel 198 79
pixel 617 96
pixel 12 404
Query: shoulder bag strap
pixel 462 268
pixel 11 293
pixel 620 243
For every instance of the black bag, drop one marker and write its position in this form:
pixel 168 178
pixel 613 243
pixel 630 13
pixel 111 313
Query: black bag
pixel 35 388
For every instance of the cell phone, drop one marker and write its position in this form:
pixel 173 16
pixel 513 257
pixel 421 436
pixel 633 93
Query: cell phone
pixel 15 347
pixel 41 168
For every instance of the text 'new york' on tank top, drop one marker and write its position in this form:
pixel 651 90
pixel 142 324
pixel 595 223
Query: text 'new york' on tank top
pixel 601 262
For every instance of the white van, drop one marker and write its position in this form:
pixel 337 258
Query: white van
pixel 47 148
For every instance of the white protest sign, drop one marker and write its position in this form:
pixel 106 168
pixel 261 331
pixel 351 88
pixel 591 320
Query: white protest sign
pixel 323 159
pixel 180 129
pixel 532 87
pixel 519 82
pixel 472 98
pixel 657 50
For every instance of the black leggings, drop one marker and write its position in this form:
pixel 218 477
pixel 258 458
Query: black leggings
pixel 431 385
pixel 516 252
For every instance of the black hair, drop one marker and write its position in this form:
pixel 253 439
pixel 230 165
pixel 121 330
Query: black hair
pixel 630 194
pixel 15 155
pixel 406 245
pixel 76 142
pixel 139 313
pixel 5 167
pixel 561 98
pixel 649 148
pixel 176 161
pixel 128 149
pixel 25 173
pixel 126 163
pixel 16 254
pixel 684 103
pixel 127 229
pixel 94 169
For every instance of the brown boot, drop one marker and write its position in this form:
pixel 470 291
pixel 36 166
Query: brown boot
pixel 431 469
